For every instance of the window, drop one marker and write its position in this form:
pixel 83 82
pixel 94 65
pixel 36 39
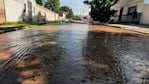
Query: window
pixel 131 9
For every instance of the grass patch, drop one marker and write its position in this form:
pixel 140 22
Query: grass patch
pixel 14 24
pixel 20 24
pixel 11 26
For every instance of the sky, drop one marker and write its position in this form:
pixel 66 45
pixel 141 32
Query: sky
pixel 78 7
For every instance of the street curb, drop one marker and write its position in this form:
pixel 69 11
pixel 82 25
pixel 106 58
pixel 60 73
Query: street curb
pixel 121 27
pixel 126 28
pixel 14 29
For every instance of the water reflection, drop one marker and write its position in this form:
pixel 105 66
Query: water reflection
pixel 74 54
pixel 103 67
pixel 132 52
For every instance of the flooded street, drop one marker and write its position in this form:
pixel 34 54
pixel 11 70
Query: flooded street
pixel 74 54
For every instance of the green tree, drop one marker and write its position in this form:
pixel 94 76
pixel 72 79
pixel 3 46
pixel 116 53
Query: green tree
pixel 53 5
pixel 39 2
pixel 56 4
pixel 67 10
pixel 76 17
pixel 49 5
pixel 101 9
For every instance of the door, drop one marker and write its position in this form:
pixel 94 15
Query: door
pixel 120 14
pixel 30 11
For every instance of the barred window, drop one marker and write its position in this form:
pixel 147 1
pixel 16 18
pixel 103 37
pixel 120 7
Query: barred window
pixel 131 9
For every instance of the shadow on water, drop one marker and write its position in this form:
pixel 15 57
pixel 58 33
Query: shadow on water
pixel 101 65
pixel 74 57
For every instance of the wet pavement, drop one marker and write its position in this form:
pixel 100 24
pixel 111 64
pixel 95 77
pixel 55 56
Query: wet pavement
pixel 74 54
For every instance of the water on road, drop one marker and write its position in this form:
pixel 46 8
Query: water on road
pixel 74 54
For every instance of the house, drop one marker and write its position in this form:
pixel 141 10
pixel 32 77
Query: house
pixel 125 8
pixel 25 10
pixel 17 10
pixel 85 18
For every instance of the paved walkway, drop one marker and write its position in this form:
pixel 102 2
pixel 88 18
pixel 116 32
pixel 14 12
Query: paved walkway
pixel 137 28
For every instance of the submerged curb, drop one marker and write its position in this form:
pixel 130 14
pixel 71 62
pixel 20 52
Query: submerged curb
pixel 131 28
pixel 126 27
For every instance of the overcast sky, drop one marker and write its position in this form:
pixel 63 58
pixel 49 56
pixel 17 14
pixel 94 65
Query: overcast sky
pixel 77 6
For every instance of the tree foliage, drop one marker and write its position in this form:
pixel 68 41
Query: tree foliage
pixel 39 2
pixel 49 5
pixel 101 9
pixel 57 4
pixel 76 17
pixel 68 10
pixel 53 5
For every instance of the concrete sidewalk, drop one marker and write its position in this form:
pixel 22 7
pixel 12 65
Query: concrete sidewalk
pixel 137 28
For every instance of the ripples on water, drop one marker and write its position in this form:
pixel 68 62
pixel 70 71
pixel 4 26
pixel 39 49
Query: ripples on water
pixel 70 54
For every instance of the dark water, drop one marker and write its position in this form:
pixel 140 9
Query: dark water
pixel 73 55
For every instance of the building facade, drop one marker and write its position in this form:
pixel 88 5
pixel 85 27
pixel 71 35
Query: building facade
pixel 25 10
pixel 2 11
pixel 17 10
pixel 125 8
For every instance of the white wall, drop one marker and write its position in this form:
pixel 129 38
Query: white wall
pixel 13 9
pixel 145 15
pixel 126 4
pixel 131 3
pixel 50 16
pixel 119 5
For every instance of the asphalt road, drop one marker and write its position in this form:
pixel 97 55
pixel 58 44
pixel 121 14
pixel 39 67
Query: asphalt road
pixel 74 54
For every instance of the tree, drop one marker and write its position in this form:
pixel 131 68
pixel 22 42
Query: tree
pixel 68 11
pixel 101 9
pixel 49 5
pixel 76 17
pixel 53 5
pixel 56 4
pixel 39 2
